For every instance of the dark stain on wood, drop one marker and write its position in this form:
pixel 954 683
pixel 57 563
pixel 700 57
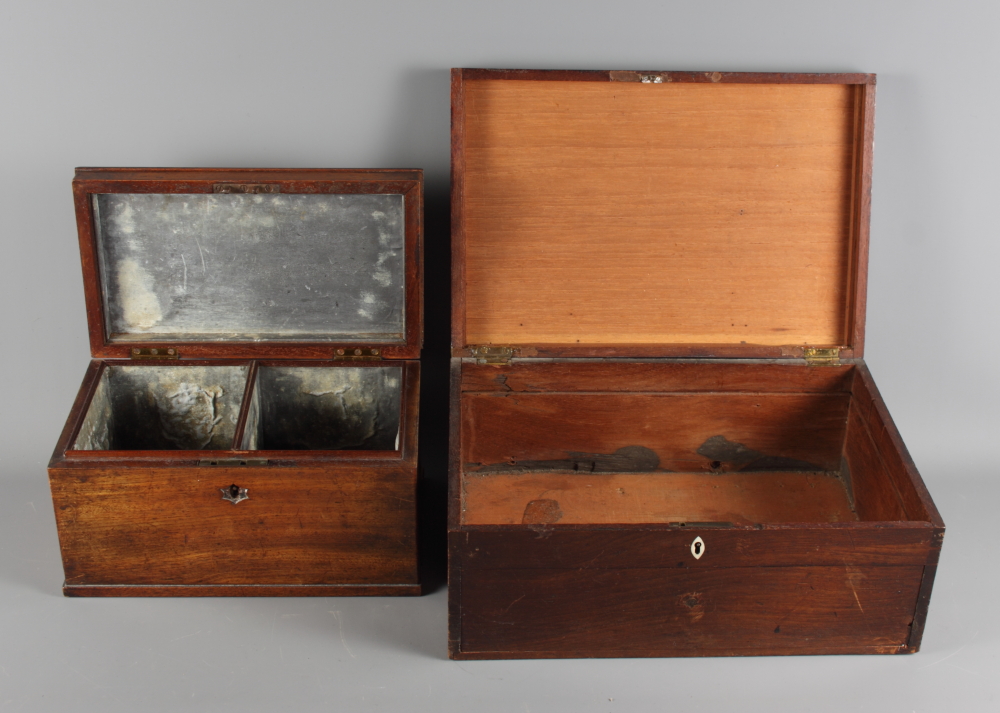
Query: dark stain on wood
pixel 630 459
pixel 720 450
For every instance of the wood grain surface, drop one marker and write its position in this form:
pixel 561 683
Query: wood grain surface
pixel 748 498
pixel 656 375
pixel 317 523
pixel 533 613
pixel 615 212
pixel 513 429
pixel 145 526
pixel 583 547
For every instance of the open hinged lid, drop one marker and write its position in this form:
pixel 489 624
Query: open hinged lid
pixel 251 263
pixel 660 213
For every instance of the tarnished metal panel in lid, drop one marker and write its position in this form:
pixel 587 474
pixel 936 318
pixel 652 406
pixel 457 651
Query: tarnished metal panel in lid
pixel 262 261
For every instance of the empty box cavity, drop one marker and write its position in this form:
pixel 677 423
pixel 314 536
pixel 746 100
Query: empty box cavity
pixel 163 408
pixel 659 443
pixel 324 408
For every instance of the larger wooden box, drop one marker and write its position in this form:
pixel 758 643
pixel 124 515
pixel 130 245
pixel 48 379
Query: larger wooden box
pixel 665 441
pixel 248 423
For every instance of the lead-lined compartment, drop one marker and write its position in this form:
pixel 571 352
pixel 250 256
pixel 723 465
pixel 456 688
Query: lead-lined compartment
pixel 324 408
pixel 161 407
pixel 686 442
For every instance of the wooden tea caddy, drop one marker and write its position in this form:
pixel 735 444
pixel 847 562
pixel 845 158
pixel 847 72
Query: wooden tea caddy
pixel 248 423
pixel 664 438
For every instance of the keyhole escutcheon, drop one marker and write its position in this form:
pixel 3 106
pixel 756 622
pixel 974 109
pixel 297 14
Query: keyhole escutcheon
pixel 234 494
pixel 697 548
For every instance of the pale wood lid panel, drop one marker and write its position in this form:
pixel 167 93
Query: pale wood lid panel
pixel 599 213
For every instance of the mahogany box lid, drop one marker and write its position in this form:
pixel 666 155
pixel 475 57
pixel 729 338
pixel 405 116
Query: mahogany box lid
pixel 252 263
pixel 645 214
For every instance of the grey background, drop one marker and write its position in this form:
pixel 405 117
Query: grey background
pixel 366 85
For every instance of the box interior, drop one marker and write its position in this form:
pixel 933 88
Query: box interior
pixel 163 408
pixel 192 407
pixel 617 213
pixel 316 408
pixel 233 267
pixel 600 442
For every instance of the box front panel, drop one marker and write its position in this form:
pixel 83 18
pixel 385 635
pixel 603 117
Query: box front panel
pixel 513 613
pixel 574 591
pixel 349 524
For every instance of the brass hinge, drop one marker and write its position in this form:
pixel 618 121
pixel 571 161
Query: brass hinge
pixel 154 353
pixel 492 355
pixel 232 462
pixel 357 354
pixel 821 357
pixel 249 188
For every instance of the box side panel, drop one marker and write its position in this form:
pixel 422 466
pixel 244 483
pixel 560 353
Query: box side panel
pixel 708 612
pixel 675 432
pixel 457 215
pixel 454 607
pixel 142 526
pixel 861 200
pixel 619 375
pixel 923 603
pixel 91 379
pixel 875 495
pixel 895 459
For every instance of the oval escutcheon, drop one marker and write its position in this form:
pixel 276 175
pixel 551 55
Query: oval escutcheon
pixel 697 548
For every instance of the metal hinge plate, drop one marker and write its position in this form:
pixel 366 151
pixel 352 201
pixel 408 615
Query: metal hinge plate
pixel 154 353
pixel 247 188
pixel 492 355
pixel 821 357
pixel 232 462
pixel 357 354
